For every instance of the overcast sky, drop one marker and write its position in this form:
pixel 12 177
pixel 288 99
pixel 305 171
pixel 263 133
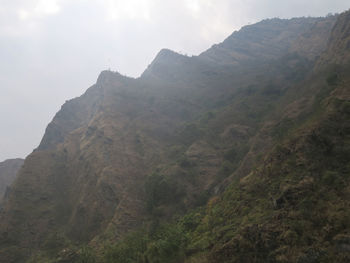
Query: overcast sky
pixel 53 50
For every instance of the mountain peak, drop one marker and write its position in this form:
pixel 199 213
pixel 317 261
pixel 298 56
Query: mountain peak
pixel 166 53
pixel 165 58
pixel 107 76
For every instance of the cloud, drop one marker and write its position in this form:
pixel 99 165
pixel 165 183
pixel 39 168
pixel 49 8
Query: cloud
pixel 132 9
pixel 20 16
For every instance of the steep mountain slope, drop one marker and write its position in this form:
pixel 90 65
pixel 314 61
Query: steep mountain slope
pixel 133 153
pixel 339 43
pixel 301 214
pixel 293 206
pixel 8 171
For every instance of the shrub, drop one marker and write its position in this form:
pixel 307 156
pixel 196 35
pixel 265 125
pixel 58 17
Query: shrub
pixel 87 255
pixel 129 250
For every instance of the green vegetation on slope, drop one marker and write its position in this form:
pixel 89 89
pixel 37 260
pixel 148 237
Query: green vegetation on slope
pixel 293 208
pixel 193 163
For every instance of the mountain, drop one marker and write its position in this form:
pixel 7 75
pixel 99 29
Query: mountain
pixel 339 43
pixel 270 39
pixel 8 171
pixel 239 154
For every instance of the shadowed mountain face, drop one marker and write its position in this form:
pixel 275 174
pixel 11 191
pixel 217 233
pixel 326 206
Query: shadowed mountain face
pixel 197 131
pixel 8 171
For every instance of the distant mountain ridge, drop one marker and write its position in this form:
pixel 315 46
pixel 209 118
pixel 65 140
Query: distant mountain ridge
pixel 8 171
pixel 215 140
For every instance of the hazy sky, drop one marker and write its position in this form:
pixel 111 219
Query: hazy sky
pixel 53 50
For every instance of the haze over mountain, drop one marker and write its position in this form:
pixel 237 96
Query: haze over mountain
pixel 51 50
pixel 239 154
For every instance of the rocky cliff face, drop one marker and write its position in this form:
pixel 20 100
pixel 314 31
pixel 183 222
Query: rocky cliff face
pixel 339 42
pixel 136 152
pixel 293 206
pixel 8 171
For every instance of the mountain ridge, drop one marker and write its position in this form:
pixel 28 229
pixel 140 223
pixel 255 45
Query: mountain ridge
pixel 137 152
